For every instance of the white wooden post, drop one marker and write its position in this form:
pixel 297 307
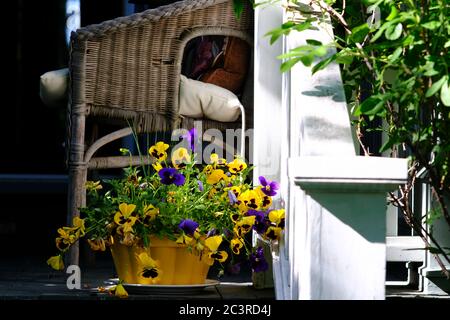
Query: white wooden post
pixel 334 245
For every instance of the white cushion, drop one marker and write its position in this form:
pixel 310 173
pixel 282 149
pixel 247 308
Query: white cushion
pixel 53 87
pixel 205 100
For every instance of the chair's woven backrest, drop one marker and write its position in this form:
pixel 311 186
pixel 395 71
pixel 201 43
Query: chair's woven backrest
pixel 129 67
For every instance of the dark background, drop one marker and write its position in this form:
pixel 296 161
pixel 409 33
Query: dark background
pixel 33 179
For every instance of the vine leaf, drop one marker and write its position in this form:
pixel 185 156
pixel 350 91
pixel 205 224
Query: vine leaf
pixel 445 93
pixel 394 32
pixel 435 87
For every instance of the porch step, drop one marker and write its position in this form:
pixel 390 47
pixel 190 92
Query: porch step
pixel 405 248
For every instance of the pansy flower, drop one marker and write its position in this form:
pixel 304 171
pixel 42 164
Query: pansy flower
pixel 249 199
pixel 216 161
pixel 180 158
pixel 244 225
pixel 273 233
pixel 150 213
pixel 119 291
pixel 261 222
pixel 150 267
pixel 236 166
pixel 97 244
pixel 188 226
pixel 125 217
pixel 277 217
pixel 191 137
pixel 236 245
pixel 56 262
pixel 213 243
pixel 232 197
pixel 266 201
pixel 200 186
pixel 158 151
pixel 216 176
pixel 269 187
pixel 171 175
pixel 258 261
pixel 157 166
pixel 93 186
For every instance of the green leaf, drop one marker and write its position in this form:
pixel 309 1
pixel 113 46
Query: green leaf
pixel 371 106
pixel 287 65
pixel 303 7
pixel 445 94
pixel 394 32
pixel 395 55
pixel 435 87
pixel 313 42
pixel 320 51
pixel 393 13
pixel 389 144
pixel 359 33
pixel 323 64
pixel 431 25
pixel 307 60
pixel 344 57
pixel 447 44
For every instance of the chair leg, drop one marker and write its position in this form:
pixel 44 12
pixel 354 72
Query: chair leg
pixel 76 199
pixel 77 176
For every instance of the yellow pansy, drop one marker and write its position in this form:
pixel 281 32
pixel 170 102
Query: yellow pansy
pixel 236 245
pixel 97 244
pixel 158 151
pixel 157 166
pixel 128 238
pixel 220 256
pixel 235 216
pixel 277 217
pixel 213 243
pixel 236 166
pixel 266 201
pixel 92 186
pixel 216 176
pixel 56 262
pixel 150 213
pixel 245 225
pixel 184 239
pixel 273 233
pixel 78 226
pixel 180 158
pixel 119 291
pixel 249 199
pixel 208 169
pixel 125 217
pixel 150 267
pixel 216 161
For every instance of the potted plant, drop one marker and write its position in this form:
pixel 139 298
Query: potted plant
pixel 169 222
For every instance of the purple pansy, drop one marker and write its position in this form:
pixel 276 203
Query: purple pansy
pixel 188 226
pixel 268 187
pixel 232 197
pixel 257 261
pixel 211 232
pixel 191 138
pixel 171 175
pixel 261 222
pixel 200 185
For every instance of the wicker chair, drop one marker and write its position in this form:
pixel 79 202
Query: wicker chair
pixel 129 68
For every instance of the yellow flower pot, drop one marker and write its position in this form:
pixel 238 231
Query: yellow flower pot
pixel 178 266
